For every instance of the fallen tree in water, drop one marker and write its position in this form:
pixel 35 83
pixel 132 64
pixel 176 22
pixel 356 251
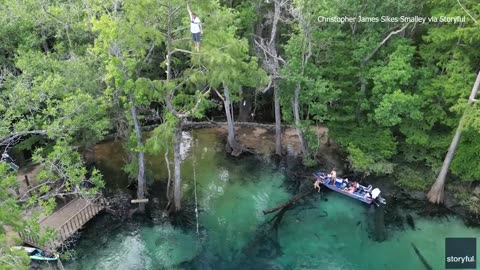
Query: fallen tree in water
pixel 422 259
pixel 292 201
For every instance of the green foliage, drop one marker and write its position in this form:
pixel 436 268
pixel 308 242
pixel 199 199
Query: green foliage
pixel 10 215
pixel 472 117
pixel 247 17
pixel 62 163
pixel 68 256
pixel 463 194
pixel 390 103
pixel 397 106
pixel 10 211
pixel 470 202
pixel 412 178
pixel 396 73
pixel 162 137
pixel 467 155
pixel 367 156
pixel 310 162
pixel 58 96
pixel 75 69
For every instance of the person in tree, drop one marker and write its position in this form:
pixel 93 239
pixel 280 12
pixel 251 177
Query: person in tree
pixel 195 28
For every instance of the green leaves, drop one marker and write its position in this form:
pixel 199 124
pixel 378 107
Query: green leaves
pixel 472 117
pixel 396 106
pixel 467 155
pixel 10 215
pixel 162 137
pixel 397 72
pixel 369 148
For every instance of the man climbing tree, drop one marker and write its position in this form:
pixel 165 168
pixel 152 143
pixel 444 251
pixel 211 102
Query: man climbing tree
pixel 195 28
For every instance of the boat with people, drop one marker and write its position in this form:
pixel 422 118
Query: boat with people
pixel 37 254
pixel 354 190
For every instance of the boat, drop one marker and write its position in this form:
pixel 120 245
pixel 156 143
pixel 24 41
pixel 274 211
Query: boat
pixel 362 194
pixel 37 254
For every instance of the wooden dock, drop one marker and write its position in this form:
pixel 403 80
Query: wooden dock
pixel 66 221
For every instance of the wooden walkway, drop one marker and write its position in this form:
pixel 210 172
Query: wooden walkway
pixel 65 222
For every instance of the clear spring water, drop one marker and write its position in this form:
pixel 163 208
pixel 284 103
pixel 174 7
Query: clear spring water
pixel 235 234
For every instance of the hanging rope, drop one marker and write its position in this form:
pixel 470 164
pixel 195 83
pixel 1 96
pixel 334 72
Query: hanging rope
pixel 195 184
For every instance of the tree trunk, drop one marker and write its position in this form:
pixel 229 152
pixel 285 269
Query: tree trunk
pixel 141 185
pixel 296 114
pixel 177 182
pixel 278 120
pixel 45 42
pixel 169 182
pixel 436 194
pixel 236 149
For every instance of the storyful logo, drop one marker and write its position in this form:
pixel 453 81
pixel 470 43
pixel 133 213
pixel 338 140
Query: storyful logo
pixel 460 253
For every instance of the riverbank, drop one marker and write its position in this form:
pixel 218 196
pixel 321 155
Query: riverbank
pixel 110 156
pixel 235 234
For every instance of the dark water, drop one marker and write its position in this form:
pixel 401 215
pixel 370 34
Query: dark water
pixel 235 234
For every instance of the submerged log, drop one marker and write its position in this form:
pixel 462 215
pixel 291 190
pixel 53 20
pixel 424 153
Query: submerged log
pixel 422 259
pixel 289 202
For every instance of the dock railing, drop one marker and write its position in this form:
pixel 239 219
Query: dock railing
pixel 69 227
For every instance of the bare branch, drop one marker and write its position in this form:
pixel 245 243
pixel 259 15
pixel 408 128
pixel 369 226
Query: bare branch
pixel 184 51
pixel 10 138
pixel 149 52
pixel 190 112
pixel 219 95
pixel 270 81
pixel 34 188
pixel 383 42
pixel 466 11
pixel 3 74
pixel 176 10
pixel 265 50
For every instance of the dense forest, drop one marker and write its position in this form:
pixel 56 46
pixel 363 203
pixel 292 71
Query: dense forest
pixel 391 93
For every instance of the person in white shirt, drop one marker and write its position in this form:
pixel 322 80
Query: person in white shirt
pixel 375 193
pixel 195 28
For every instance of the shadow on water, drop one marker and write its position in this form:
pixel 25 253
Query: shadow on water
pixel 259 253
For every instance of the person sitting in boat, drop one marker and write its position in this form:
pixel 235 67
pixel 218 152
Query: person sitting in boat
pixel 338 182
pixel 317 184
pixel 48 254
pixel 353 187
pixel 358 187
pixel 345 183
pixel 332 176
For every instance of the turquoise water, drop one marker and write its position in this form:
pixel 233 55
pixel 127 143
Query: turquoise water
pixel 235 234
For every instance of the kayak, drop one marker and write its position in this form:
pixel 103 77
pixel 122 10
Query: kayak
pixel 37 254
pixel 362 194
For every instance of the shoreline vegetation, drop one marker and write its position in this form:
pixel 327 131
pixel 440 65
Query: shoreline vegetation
pixel 393 101
pixel 259 138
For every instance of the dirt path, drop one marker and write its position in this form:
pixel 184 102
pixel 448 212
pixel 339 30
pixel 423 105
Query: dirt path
pixel 30 172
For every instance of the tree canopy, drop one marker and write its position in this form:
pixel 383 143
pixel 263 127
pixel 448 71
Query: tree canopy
pixel 391 93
